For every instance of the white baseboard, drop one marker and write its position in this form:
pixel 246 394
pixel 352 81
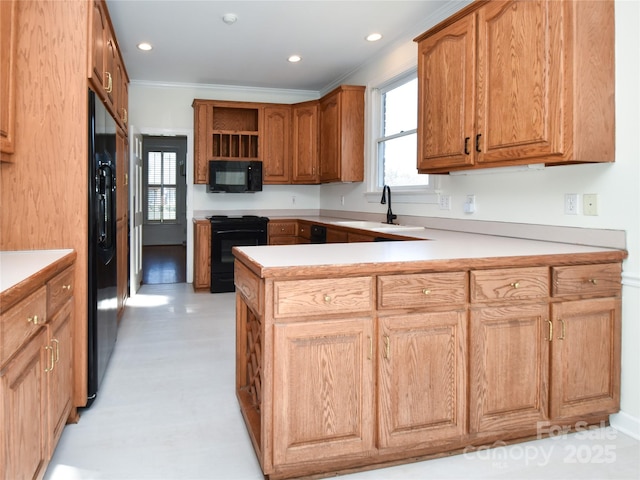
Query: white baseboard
pixel 625 423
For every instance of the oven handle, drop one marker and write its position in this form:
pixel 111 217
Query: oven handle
pixel 218 232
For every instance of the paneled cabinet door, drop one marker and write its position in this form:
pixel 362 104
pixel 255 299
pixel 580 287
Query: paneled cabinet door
pixel 8 30
pixel 585 356
pixel 24 415
pixel 60 371
pixel 202 255
pixel 422 378
pixel 446 79
pixel 323 378
pixel 330 138
pixel 305 143
pixel 509 367
pixel 277 144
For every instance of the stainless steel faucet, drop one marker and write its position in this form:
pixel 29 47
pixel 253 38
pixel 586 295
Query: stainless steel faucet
pixel 386 193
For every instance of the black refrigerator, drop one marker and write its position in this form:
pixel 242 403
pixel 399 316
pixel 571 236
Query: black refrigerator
pixel 102 255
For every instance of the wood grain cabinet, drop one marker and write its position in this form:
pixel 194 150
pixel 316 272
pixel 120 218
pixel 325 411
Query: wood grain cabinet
pixel 201 255
pixel 36 376
pixel 342 135
pixel 282 232
pixel 276 157
pixel 305 144
pixel 517 82
pixel 8 45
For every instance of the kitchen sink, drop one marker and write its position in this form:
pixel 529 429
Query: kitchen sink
pixel 375 226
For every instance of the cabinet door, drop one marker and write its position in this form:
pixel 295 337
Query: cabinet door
pixel 122 267
pixel 585 355
pixel 61 375
pixel 23 416
pixel 323 377
pixel 446 73
pixel 277 152
pixel 98 27
pixel 305 143
pixel 202 255
pixel 8 29
pixel 520 94
pixel 330 128
pixel 422 378
pixel 509 367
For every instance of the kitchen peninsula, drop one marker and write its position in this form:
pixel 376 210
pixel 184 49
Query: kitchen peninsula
pixel 357 355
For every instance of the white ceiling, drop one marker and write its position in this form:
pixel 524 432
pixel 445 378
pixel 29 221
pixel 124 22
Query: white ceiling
pixel 193 45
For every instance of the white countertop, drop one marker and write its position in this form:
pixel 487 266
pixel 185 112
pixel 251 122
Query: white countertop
pixel 441 245
pixel 16 266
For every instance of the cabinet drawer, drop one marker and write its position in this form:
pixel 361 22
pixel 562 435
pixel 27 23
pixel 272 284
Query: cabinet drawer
pixel 603 280
pixel 304 230
pixel 59 290
pixel 422 290
pixel 21 321
pixel 320 297
pixel 509 284
pixel 282 228
pixel 250 286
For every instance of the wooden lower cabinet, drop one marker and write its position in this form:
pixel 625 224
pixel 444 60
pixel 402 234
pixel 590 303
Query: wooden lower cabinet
pixel 509 376
pixel 201 255
pixel 36 377
pixel 585 357
pixel 421 378
pixel 323 376
pixel 23 384
pixel 347 369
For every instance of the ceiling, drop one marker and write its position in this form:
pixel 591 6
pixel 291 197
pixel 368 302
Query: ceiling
pixel 193 45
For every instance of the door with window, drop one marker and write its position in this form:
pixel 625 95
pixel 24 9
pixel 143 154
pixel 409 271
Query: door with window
pixel 164 190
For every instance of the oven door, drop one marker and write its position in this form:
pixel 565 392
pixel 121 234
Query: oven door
pixel 222 241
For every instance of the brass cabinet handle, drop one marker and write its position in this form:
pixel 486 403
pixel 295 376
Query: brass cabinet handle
pixel 561 337
pixel 109 87
pixel 327 299
pixel 550 330
pixel 426 291
pixel 66 287
pixel 370 347
pixel 35 320
pixel 57 342
pixel 593 281
pixel 51 362
pixel 386 346
pixel 125 115
pixel 515 284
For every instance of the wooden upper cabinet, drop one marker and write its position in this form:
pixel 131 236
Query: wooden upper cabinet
pixel 305 143
pixel 517 82
pixel 8 28
pixel 342 135
pixel 276 156
pixel 107 72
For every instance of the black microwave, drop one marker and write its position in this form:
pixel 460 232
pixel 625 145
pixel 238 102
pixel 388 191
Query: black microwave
pixel 235 176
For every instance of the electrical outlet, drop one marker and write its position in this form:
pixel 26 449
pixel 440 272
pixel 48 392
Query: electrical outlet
pixel 470 204
pixel 445 202
pixel 571 204
pixel 341 199
pixel 293 199
pixel 590 204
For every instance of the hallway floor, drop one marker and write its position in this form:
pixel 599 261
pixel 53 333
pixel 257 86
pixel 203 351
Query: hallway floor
pixel 164 264
pixel 167 411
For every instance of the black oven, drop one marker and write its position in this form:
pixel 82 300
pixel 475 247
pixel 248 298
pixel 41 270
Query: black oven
pixel 228 232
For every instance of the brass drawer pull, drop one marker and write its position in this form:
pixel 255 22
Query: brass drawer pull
pixel 593 281
pixel 515 284
pixel 426 291
pixel 51 361
pixel 66 287
pixel 57 342
pixel 35 320
pixel 561 337
pixel 327 299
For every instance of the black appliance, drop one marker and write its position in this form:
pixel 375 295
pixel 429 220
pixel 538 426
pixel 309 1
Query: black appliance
pixel 318 234
pixel 102 254
pixel 228 232
pixel 235 176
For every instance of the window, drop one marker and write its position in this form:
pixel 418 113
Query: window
pixel 397 136
pixel 161 186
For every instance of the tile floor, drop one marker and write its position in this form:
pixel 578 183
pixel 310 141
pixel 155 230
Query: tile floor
pixel 167 411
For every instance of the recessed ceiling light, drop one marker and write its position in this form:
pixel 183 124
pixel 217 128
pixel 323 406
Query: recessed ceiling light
pixel 230 18
pixel 294 58
pixel 374 37
pixel 145 46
